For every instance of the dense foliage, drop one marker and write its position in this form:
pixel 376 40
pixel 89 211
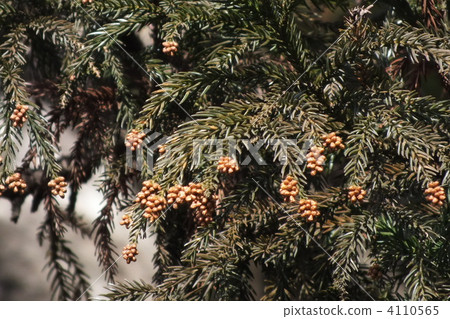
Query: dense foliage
pixel 250 71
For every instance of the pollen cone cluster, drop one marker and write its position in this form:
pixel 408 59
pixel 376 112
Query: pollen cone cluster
pixel 308 209
pixel 203 207
pixel 129 253
pixel 195 193
pixel 153 203
pixel 126 221
pixel 58 186
pixel 176 195
pixel 134 139
pixel 156 204
pixel 204 214
pixel 16 183
pixel 19 115
pixel 289 189
pixel 435 194
pixel 315 160
pixel 227 165
pixel 333 142
pixel 356 194
pixel 170 47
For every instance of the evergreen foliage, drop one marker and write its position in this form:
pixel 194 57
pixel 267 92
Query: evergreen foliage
pixel 258 70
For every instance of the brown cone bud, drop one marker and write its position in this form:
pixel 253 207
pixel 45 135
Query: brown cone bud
pixel 315 160
pixel 227 165
pixel 308 209
pixel 58 186
pixel 134 139
pixel 129 253
pixel 436 194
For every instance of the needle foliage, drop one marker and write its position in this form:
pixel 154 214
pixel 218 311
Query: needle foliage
pixel 250 71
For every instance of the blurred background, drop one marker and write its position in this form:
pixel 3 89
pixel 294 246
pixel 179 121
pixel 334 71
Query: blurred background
pixel 22 260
